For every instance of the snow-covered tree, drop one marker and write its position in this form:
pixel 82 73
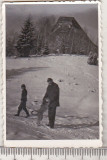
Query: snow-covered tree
pixel 26 39
pixel 10 44
pixel 46 50
pixel 9 47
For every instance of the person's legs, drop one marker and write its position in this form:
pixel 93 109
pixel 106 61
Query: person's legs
pixel 19 109
pixel 24 108
pixel 51 115
pixel 40 115
pixel 41 112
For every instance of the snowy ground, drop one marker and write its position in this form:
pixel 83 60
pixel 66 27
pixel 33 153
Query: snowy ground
pixel 77 117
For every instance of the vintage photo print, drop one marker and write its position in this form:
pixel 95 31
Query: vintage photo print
pixel 52 74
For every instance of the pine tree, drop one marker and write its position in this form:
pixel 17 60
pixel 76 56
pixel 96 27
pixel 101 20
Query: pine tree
pixel 25 41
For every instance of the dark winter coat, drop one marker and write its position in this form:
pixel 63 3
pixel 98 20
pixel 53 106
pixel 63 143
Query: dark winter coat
pixel 24 95
pixel 53 94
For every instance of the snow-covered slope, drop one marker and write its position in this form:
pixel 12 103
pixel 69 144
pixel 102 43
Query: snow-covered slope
pixel 79 102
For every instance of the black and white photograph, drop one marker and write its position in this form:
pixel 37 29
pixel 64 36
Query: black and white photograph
pixel 52 57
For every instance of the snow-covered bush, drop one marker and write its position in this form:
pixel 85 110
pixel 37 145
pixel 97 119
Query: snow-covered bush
pixel 93 58
pixel 46 50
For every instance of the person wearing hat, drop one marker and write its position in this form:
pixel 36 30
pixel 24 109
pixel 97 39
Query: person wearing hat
pixel 23 101
pixel 52 94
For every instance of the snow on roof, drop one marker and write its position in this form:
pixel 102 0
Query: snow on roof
pixel 66 19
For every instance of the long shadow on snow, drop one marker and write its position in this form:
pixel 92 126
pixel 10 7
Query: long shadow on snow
pixel 15 72
pixel 77 126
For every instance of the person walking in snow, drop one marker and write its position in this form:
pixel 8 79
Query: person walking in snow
pixel 23 101
pixel 52 94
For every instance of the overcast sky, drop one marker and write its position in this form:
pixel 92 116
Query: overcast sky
pixel 85 14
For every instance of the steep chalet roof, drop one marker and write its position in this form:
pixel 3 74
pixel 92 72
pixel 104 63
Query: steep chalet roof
pixel 66 19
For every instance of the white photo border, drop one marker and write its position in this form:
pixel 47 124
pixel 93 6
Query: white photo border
pixel 52 143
